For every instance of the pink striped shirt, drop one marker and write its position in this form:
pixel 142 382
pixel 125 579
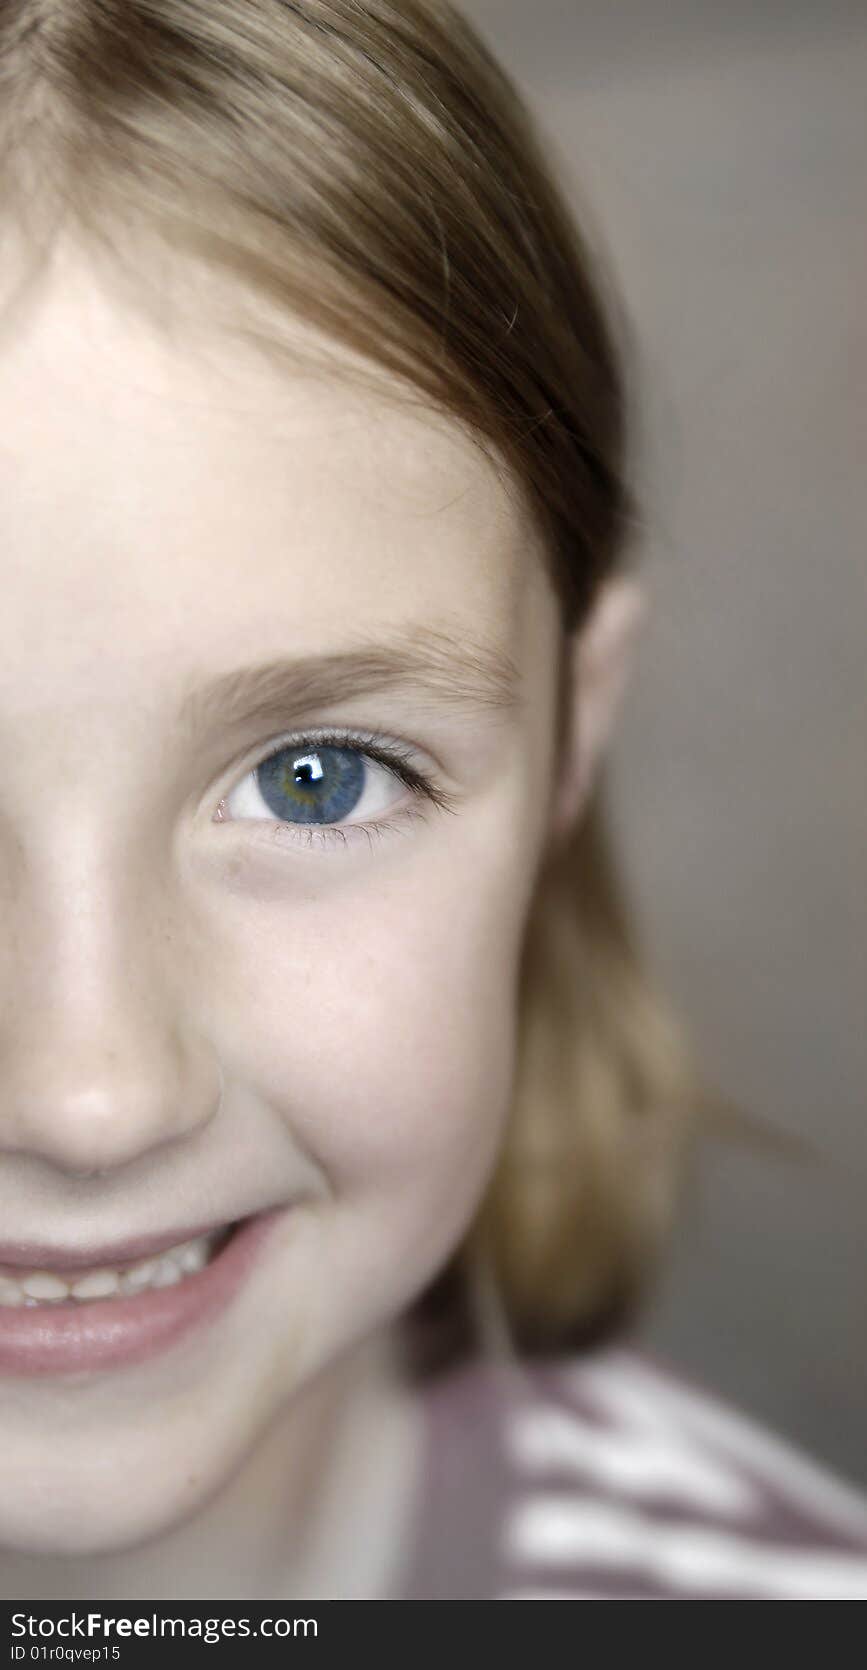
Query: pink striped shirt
pixel 609 1475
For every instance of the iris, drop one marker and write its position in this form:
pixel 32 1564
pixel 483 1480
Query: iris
pixel 304 785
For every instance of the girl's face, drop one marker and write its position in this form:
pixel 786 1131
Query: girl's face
pixel 212 1008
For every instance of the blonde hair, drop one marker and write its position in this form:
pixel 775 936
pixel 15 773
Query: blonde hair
pixel 370 168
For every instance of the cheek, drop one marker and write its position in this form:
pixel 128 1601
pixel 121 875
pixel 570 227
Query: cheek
pixel 380 1024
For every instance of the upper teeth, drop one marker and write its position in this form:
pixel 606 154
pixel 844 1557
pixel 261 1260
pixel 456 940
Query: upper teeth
pixel 39 1286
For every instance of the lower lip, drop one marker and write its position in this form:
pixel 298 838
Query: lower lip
pixel 104 1333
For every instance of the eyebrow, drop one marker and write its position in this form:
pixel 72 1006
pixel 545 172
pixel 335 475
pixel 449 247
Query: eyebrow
pixel 454 670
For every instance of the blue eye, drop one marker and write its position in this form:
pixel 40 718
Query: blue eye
pixel 304 785
pixel 318 783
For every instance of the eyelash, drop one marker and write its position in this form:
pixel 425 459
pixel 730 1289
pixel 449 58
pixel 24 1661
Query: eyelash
pixel 393 755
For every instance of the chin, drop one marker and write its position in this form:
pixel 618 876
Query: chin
pixel 75 1518
pixel 77 1499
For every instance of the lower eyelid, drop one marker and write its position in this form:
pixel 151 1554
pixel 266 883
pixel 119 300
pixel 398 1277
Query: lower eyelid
pixel 306 837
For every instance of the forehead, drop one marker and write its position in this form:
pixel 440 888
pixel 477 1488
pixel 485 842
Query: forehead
pixel 152 478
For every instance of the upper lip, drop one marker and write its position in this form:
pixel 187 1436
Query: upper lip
pixel 38 1255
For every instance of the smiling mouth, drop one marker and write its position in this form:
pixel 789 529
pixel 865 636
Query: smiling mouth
pixel 44 1286
pixel 90 1320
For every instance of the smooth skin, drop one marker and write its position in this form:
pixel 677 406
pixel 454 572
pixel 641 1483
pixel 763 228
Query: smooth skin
pixel 197 1022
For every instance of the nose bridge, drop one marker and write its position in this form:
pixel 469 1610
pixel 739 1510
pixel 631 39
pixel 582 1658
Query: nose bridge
pixel 99 1061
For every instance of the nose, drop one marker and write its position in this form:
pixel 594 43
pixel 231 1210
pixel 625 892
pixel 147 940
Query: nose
pixel 100 1064
pixel 98 1102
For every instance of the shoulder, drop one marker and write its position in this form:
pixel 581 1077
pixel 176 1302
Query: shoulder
pixel 612 1474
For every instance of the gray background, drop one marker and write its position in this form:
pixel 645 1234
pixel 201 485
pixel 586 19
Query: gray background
pixel 720 151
